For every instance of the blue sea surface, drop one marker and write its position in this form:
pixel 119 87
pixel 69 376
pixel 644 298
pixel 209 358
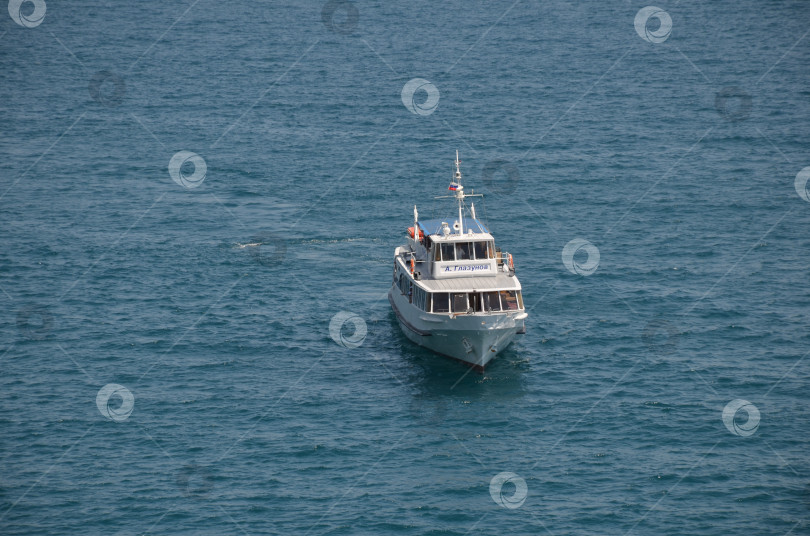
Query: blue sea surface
pixel 199 204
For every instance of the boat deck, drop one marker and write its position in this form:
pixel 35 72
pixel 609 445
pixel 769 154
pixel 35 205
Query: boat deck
pixel 500 281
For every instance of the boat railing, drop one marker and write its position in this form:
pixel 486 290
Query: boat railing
pixel 504 260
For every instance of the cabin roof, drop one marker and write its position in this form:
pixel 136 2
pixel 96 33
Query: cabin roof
pixel 469 284
pixel 434 227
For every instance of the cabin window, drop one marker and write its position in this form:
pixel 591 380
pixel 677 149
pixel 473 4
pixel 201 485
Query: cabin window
pixel 520 299
pixel 492 301
pixel 463 251
pixel 448 252
pixel 475 301
pixel 509 300
pixel 480 250
pixel 419 297
pixel 459 302
pixel 404 283
pixel 427 301
pixel 437 253
pixel 441 302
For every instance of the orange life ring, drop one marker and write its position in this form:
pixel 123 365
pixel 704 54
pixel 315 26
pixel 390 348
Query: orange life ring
pixel 413 264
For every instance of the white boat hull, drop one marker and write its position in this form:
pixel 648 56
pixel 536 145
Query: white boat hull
pixel 475 339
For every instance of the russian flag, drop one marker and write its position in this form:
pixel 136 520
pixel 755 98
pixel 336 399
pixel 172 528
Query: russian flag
pixel 453 186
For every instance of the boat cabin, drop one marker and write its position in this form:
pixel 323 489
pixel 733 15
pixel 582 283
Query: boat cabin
pixel 443 270
pixel 424 296
pixel 447 253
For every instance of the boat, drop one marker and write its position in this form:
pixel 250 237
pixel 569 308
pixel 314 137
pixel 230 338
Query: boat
pixel 453 291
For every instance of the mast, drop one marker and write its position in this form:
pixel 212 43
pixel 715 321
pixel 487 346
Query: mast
pixel 415 226
pixel 459 196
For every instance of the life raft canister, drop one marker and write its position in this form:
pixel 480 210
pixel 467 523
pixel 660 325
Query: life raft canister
pixel 421 233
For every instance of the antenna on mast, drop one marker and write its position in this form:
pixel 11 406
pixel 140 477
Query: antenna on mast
pixel 459 195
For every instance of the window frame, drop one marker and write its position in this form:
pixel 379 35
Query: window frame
pixel 486 301
pixel 452 247
pixel 470 252
pixel 484 247
pixel 453 302
pixel 505 295
pixel 473 299
pixel 419 297
pixel 433 301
